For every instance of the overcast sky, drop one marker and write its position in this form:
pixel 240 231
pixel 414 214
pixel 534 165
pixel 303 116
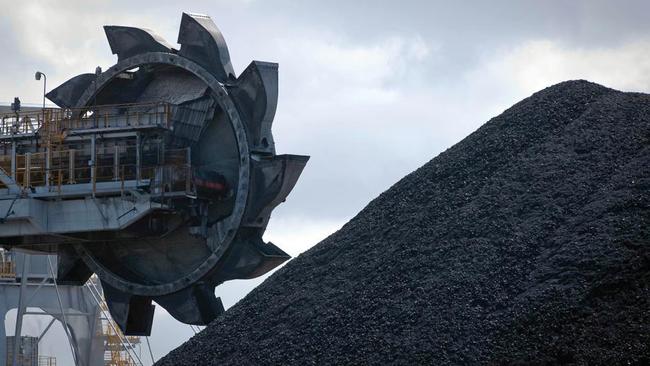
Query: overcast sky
pixel 370 89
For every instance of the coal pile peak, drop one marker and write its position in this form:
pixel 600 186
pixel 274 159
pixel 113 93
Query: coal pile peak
pixel 526 243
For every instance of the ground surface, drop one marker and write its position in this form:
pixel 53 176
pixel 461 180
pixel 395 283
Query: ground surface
pixel 526 243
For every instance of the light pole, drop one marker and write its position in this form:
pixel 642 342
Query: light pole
pixel 48 154
pixel 38 77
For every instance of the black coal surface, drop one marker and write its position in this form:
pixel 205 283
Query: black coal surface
pixel 526 243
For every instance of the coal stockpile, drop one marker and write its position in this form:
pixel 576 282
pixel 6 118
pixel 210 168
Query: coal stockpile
pixel 526 243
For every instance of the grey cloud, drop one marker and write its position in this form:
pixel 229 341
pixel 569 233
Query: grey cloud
pixel 359 147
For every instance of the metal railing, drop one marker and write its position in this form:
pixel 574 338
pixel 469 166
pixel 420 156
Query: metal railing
pixel 46 361
pixel 119 350
pixel 168 170
pixel 7 270
pixel 20 124
pixel 50 122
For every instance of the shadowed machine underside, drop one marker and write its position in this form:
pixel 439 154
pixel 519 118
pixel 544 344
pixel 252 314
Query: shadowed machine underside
pixel 158 174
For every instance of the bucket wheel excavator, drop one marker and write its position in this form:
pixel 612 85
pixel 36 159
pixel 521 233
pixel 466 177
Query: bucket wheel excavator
pixel 158 174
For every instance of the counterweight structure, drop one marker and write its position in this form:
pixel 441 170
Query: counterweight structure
pixel 158 174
